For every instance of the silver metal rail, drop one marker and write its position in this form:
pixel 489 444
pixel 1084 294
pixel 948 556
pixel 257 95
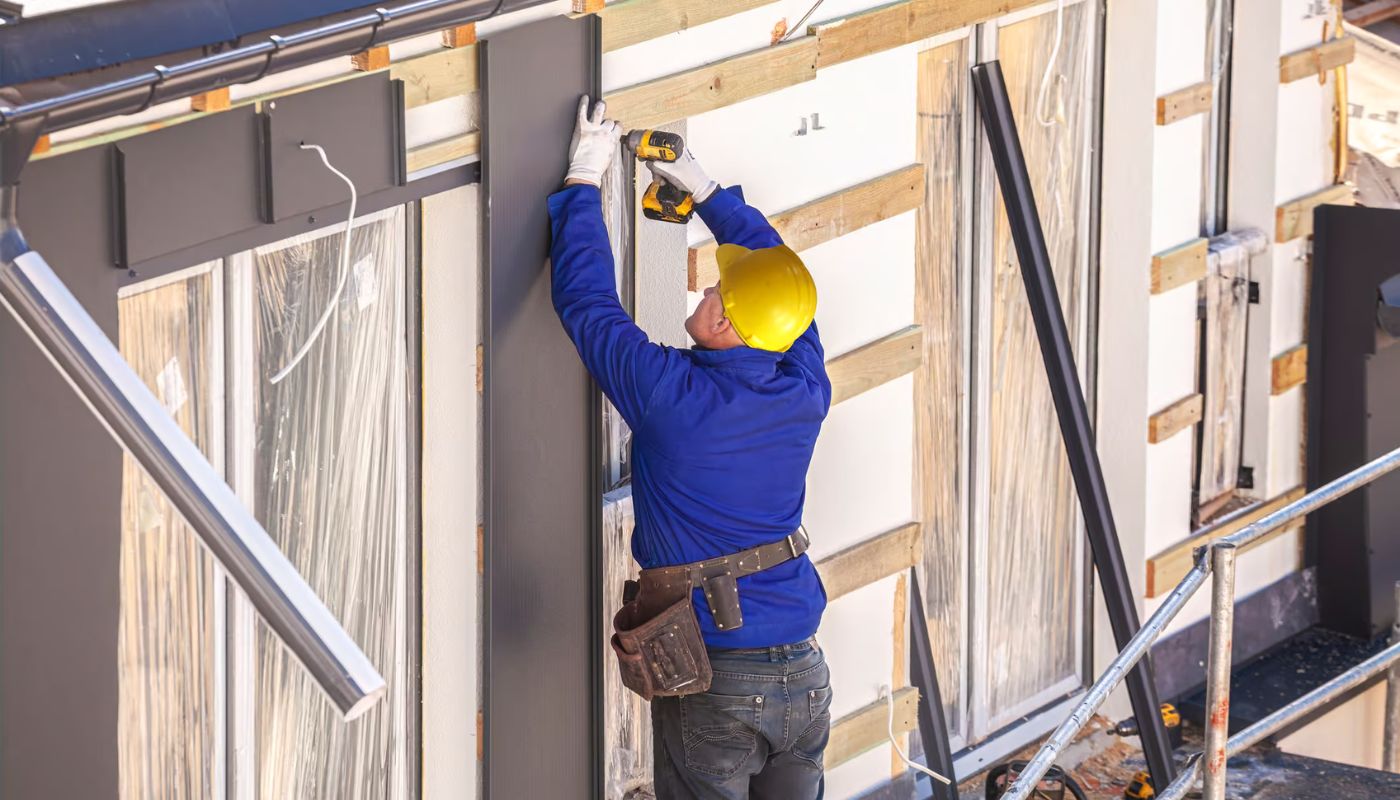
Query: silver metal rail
pixel 1218 688
pixel 117 396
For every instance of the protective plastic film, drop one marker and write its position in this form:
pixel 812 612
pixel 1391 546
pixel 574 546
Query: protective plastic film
pixel 167 643
pixel 1033 551
pixel 617 215
pixel 1225 292
pixel 331 486
pixel 940 387
pixel 627 718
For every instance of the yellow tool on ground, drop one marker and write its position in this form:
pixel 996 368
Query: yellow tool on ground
pixel 662 201
pixel 1140 788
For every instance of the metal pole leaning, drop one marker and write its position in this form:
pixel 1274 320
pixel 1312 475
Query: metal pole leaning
pixel 1104 686
pixel 116 395
pixel 1222 631
pixel 1057 353
pixel 1390 745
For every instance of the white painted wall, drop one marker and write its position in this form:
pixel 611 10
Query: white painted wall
pixel 451 281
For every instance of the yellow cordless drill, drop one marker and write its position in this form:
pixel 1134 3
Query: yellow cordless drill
pixel 662 201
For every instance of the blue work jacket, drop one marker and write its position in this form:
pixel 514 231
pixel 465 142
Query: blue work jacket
pixel 721 439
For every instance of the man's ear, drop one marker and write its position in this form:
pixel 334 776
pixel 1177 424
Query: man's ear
pixel 721 325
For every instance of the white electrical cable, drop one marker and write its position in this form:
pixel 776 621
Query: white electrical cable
pixel 1050 68
pixel 344 270
pixel 889 701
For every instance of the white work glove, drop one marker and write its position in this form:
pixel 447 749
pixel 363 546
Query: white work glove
pixel 594 144
pixel 686 173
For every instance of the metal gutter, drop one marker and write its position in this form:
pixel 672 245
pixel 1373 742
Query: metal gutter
pixel 251 62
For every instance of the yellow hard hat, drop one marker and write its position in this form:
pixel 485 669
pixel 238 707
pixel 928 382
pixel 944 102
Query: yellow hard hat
pixel 768 294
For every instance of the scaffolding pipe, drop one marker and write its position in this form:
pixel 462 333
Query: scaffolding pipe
pixel 116 395
pixel 1390 747
pixel 1222 631
pixel 1140 643
pixel 1310 703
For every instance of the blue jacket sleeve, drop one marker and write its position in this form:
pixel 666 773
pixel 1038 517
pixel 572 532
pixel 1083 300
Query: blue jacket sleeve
pixel 616 352
pixel 732 221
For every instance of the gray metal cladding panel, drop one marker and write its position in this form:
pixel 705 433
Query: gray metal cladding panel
pixel 188 184
pixel 60 514
pixel 359 123
pixel 543 639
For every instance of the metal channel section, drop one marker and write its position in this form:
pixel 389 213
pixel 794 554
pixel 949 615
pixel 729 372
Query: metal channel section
pixel 88 360
pixel 1176 600
pixel 1070 406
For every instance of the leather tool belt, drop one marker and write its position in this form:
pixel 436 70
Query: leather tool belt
pixel 656 635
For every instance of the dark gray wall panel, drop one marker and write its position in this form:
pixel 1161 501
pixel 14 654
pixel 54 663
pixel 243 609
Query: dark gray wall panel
pixel 60 515
pixel 188 184
pixel 543 637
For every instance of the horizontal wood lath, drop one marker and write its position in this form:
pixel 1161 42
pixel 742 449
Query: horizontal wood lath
pixel 1290 369
pixel 1372 12
pixel 716 85
pixel 1316 60
pixel 880 557
pixel 1179 266
pixel 1183 103
pixel 1295 218
pixel 632 21
pixel 902 23
pixel 875 364
pixel 441 152
pixel 1175 418
pixel 867 728
pixel 1166 569
pixel 826 218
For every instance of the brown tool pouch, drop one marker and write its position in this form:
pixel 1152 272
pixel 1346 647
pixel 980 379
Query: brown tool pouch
pixel 660 655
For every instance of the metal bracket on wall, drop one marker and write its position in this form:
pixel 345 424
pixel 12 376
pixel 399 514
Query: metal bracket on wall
pixel 1056 350
pixel 16 145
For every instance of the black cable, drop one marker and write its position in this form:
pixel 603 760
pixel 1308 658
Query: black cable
pixel 999 770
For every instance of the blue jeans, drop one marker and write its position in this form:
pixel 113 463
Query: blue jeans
pixel 758 733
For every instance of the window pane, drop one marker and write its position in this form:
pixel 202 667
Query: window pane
pixel 167 646
pixel 331 486
pixel 940 386
pixel 1033 526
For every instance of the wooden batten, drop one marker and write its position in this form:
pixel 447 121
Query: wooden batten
pixel 1295 218
pixel 1175 418
pixel 443 151
pixel 631 21
pixel 1370 13
pixel 903 23
pixel 42 145
pixel 1183 103
pixel 1316 60
pixel 1179 266
pixel 213 100
pixel 864 563
pixel 587 6
pixel 1290 369
pixel 460 36
pixel 1166 569
pixel 826 218
pixel 867 728
pixel 375 58
pixel 716 85
pixel 875 364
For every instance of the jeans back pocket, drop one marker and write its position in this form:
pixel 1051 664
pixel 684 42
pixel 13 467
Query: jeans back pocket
pixel 719 732
pixel 811 743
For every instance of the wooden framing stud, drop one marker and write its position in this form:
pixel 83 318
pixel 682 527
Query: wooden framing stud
pixel 211 101
pixel 1290 369
pixel 899 630
pixel 42 145
pixel 864 563
pixel 876 363
pixel 865 729
pixel 375 58
pixel 826 218
pixel 1295 218
pixel 1315 61
pixel 460 36
pixel 587 6
pixel 1370 13
pixel 1175 418
pixel 1179 266
pixel 1166 569
pixel 1183 103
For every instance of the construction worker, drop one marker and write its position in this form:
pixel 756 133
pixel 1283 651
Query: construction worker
pixel 722 435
